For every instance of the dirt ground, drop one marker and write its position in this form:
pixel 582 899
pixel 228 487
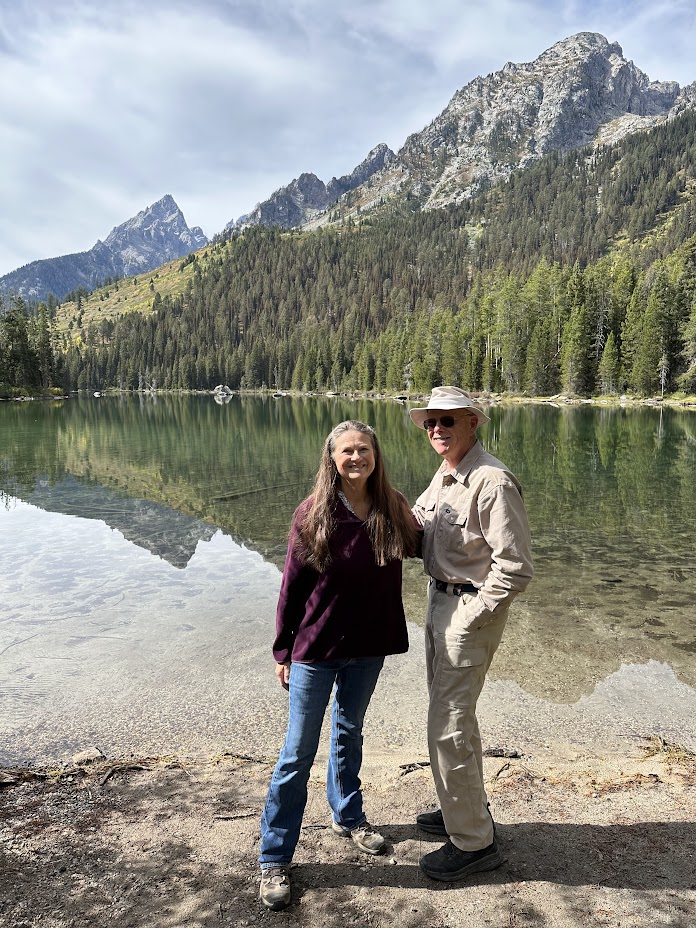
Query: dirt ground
pixel 591 841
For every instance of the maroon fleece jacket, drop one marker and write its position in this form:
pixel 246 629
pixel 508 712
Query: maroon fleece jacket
pixel 352 609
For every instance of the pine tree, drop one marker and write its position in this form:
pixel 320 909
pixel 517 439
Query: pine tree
pixel 609 367
pixel 452 353
pixel 575 355
pixel 652 363
pixel 20 362
pixel 576 365
pixel 687 381
pixel 510 326
pixel 539 373
pixel 632 331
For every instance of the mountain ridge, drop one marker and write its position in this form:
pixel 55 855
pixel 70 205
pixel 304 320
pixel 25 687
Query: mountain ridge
pixel 580 90
pixel 157 234
pixel 577 276
pixel 307 196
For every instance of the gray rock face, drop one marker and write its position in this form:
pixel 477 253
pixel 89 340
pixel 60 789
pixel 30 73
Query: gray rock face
pixel 156 235
pixel 375 160
pixel 685 101
pixel 288 207
pixel 580 90
pixel 307 196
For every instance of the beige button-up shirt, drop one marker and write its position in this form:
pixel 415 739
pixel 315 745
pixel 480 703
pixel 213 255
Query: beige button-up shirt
pixel 476 530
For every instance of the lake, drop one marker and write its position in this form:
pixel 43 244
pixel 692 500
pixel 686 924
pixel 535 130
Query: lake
pixel 142 537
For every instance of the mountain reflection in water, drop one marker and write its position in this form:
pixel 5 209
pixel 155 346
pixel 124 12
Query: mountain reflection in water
pixel 157 528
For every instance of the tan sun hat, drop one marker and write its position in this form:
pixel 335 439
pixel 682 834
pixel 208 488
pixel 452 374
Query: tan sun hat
pixel 445 399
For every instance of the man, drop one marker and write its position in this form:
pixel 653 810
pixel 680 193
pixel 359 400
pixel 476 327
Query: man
pixel 476 550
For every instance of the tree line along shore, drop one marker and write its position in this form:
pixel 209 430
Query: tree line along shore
pixel 577 276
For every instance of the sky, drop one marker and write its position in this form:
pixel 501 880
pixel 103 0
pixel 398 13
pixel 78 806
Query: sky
pixel 107 106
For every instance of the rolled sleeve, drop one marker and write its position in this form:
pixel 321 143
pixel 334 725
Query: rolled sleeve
pixel 505 528
pixel 418 511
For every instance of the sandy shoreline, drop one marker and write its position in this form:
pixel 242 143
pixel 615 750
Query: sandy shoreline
pixel 603 840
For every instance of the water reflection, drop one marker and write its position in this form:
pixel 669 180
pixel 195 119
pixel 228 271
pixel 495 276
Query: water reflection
pixel 104 643
pixel 164 532
pixel 609 492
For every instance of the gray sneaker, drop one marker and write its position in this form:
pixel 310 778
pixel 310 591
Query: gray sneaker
pixel 275 887
pixel 365 838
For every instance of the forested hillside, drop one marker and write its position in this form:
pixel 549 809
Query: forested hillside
pixel 577 275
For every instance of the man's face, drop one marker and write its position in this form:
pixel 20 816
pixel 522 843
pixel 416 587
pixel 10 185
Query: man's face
pixel 452 441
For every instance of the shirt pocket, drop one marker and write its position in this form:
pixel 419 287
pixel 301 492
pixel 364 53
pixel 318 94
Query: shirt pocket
pixel 428 518
pixel 454 524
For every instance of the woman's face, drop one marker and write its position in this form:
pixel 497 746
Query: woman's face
pixel 354 457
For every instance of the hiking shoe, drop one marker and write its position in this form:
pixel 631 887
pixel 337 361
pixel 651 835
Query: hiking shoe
pixel 448 863
pixel 432 822
pixel 365 838
pixel 275 887
pixel 488 806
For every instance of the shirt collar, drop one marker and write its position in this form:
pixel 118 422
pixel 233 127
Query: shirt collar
pixel 463 469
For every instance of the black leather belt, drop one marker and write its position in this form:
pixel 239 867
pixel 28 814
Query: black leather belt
pixel 456 589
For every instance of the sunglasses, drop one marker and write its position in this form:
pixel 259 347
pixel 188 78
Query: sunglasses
pixel 445 421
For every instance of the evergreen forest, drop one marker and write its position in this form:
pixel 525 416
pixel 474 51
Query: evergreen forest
pixel 576 276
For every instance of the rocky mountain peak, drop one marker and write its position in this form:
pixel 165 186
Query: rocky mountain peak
pixel 157 234
pixel 376 159
pixel 306 197
pixel 582 44
pixel 581 90
pixel 161 226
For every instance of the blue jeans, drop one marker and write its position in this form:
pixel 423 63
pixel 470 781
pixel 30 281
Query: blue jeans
pixel 310 690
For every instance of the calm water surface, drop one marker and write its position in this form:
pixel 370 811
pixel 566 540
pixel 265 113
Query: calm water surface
pixel 140 541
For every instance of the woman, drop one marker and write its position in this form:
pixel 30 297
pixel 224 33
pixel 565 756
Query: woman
pixel 339 613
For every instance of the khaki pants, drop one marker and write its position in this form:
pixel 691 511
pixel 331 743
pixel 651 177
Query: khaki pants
pixel 457 659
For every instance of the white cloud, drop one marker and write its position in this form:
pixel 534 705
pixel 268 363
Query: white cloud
pixel 112 105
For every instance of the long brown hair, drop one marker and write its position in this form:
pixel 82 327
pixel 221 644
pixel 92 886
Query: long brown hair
pixel 390 524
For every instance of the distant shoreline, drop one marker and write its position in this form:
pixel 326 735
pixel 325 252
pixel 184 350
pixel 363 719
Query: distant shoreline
pixel 493 399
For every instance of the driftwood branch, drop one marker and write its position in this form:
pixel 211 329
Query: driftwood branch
pixel 231 816
pixel 415 765
pixel 502 752
pixel 120 768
